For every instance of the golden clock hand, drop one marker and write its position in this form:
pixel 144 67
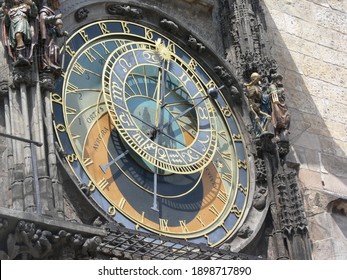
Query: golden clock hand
pixel 157 109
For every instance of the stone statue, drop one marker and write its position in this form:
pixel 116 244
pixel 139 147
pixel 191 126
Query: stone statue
pixel 50 29
pixel 19 32
pixel 280 113
pixel 255 97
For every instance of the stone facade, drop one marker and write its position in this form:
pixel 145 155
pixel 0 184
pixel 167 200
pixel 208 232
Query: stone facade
pixel 308 39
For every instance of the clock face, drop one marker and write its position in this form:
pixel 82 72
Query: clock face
pixel 140 126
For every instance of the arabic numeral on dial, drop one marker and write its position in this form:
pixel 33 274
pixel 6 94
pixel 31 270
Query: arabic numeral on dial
pixel 71 158
pixel 91 186
pixel 61 128
pixel 57 98
pixel 111 211
pixel 236 211
pixel 226 111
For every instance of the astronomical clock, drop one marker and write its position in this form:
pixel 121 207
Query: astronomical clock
pixel 149 129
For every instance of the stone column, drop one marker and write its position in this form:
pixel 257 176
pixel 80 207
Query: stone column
pixel 47 82
pixel 29 200
pixel 38 134
pixel 5 200
pixel 18 160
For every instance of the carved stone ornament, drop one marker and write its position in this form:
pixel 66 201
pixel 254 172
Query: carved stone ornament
pixel 3 88
pixel 47 81
pixel 3 224
pixel 260 170
pixel 32 242
pixel 81 14
pixel 124 10
pixel 195 45
pixel 228 81
pixel 259 199
pixel 22 75
pixel 169 26
pixel 245 231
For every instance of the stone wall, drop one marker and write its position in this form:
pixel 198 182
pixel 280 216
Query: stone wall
pixel 309 43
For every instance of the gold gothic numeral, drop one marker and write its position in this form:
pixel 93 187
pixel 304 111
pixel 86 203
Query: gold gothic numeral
pixel 70 51
pixel 103 28
pixel 226 111
pixel 84 35
pixel 193 64
pixel 125 27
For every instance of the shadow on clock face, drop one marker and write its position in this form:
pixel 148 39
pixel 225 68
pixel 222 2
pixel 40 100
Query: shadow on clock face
pixel 179 195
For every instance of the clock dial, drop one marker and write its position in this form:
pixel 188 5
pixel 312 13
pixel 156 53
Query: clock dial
pixel 147 123
pixel 139 126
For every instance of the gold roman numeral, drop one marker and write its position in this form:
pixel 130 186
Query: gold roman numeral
pixel 103 184
pixel 89 55
pixel 78 69
pixel 214 210
pixel 87 162
pixel 122 203
pixel 227 177
pixel 71 88
pixel 223 196
pixel 183 225
pixel 163 224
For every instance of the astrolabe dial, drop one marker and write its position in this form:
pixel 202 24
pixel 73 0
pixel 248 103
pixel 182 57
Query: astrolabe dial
pixel 158 125
pixel 148 131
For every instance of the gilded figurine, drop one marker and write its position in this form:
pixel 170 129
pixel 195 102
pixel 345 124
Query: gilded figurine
pixel 255 97
pixel 19 34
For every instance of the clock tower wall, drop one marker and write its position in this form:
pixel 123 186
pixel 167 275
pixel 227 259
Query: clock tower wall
pixel 308 42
